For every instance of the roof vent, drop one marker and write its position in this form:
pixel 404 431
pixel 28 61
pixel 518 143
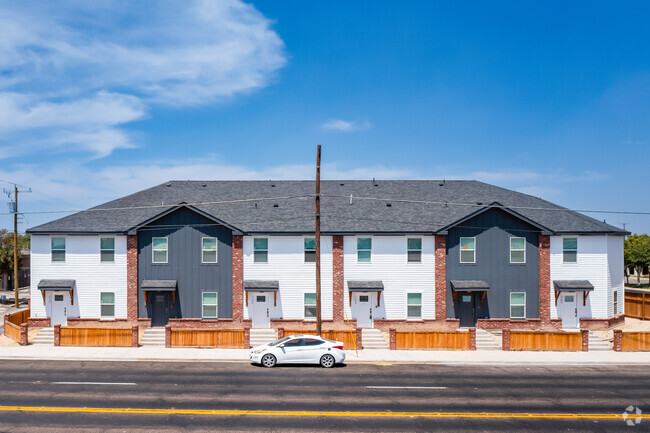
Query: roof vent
pixel 204 185
pixel 389 205
pixel 480 203
pixel 255 205
pixel 442 183
pixel 342 184
pixel 276 205
pixel 169 184
pixel 272 185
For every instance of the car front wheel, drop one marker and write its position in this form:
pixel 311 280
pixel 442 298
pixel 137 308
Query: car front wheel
pixel 268 360
pixel 327 361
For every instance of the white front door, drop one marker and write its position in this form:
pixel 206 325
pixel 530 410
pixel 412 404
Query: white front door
pixel 60 302
pixel 259 310
pixel 362 309
pixel 568 310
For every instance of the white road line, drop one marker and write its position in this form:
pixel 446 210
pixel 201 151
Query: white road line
pixel 96 383
pixel 406 387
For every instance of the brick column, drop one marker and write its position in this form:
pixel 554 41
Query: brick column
pixel 441 278
pixel 132 277
pixel 505 340
pixel 247 337
pixel 135 336
pixel 359 339
pixel 544 252
pixel 280 333
pixel 57 335
pixel 168 336
pixel 237 278
pixel 472 338
pixel 338 279
pixel 393 339
pixel 618 340
pixel 24 329
pixel 585 340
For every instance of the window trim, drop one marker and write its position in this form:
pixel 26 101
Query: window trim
pixel 216 250
pixel 216 305
pixel 101 250
pixel 153 261
pixel 305 250
pixel 511 250
pixel 408 305
pixel 518 305
pixel 261 250
pixel 101 304
pixel 460 247
pixel 304 305
pixel 615 302
pixel 408 250
pixel 52 249
pixel 564 250
pixel 369 250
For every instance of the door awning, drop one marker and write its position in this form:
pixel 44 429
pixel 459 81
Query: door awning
pixel 159 286
pixel 261 285
pixel 469 285
pixel 57 285
pixel 583 286
pixel 366 286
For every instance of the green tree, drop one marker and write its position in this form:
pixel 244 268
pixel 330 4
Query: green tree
pixel 7 250
pixel 637 253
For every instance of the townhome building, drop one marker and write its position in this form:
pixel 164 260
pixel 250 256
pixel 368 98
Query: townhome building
pixel 406 254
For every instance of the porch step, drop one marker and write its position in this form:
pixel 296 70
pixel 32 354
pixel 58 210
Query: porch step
pixel 596 344
pixel 373 339
pixel 45 337
pixel 262 336
pixel 487 340
pixel 153 337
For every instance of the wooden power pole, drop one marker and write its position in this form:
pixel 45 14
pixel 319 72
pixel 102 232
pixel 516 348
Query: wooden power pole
pixel 318 309
pixel 16 247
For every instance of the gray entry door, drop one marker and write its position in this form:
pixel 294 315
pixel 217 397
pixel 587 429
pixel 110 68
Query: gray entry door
pixel 160 309
pixel 467 310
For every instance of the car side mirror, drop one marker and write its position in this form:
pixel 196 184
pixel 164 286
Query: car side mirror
pixel 282 346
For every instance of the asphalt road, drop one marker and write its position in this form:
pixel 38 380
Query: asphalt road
pixel 172 396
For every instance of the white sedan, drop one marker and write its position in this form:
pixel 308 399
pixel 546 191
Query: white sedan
pixel 299 349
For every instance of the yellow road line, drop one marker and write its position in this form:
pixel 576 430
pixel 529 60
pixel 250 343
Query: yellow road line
pixel 346 414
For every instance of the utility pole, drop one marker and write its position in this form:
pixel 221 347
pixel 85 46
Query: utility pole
pixel 318 314
pixel 16 247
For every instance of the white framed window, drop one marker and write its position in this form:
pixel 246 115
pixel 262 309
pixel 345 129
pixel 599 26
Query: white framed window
pixel 570 250
pixel 517 250
pixel 107 250
pixel 209 304
pixel 209 250
pixel 107 304
pixel 414 250
pixel 414 305
pixel 58 249
pixel 310 250
pixel 159 250
pixel 261 250
pixel 468 250
pixel 517 305
pixel 615 301
pixel 310 305
pixel 364 250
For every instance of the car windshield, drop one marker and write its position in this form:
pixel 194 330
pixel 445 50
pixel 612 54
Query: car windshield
pixel 280 341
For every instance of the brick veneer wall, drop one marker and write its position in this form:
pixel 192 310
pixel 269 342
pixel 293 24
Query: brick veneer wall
pixel 618 340
pixel 602 324
pixel 194 323
pixel 416 325
pixel 132 278
pixel 338 278
pixel 33 322
pixel 441 278
pixel 237 278
pixel 545 278
pixel 529 324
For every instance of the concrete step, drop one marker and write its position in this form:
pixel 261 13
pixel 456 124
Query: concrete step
pixel 596 344
pixel 487 341
pixel 153 337
pixel 260 336
pixel 45 337
pixel 373 339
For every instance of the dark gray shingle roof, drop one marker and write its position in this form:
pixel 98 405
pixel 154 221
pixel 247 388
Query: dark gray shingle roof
pixel 271 213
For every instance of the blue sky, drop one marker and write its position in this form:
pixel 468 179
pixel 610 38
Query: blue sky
pixel 102 99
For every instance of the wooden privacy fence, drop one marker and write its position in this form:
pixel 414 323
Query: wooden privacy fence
pixel 104 337
pixel 637 304
pixel 345 337
pixel 627 341
pixel 443 340
pixel 226 338
pixel 541 340
pixel 12 326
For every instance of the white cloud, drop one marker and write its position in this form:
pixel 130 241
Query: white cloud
pixel 346 126
pixel 77 70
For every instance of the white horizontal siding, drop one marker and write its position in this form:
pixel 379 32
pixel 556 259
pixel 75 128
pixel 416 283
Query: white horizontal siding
pixel 287 265
pixel 389 264
pixel 592 265
pixel 615 274
pixel 82 264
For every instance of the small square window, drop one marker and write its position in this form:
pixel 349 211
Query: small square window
pixel 414 305
pixel 107 249
pixel 468 250
pixel 310 250
pixel 364 298
pixel 414 250
pixel 209 250
pixel 615 299
pixel 58 249
pixel 107 304
pixel 517 250
pixel 364 248
pixel 570 250
pixel 159 250
pixel 310 305
pixel 210 301
pixel 517 305
pixel 260 250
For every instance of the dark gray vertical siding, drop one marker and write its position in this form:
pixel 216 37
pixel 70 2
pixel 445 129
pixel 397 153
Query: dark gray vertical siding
pixel 493 230
pixel 184 229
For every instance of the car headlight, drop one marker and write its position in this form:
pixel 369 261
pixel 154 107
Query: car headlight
pixel 259 351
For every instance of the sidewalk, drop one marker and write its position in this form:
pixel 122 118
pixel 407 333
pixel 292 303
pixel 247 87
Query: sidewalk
pixel 368 356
